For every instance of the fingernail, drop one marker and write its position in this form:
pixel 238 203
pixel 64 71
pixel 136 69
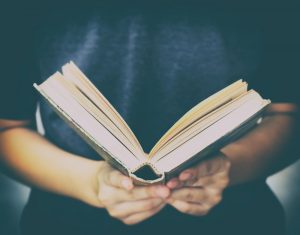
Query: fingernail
pixel 185 176
pixel 172 184
pixel 162 192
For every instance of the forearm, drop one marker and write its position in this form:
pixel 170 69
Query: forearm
pixel 264 150
pixel 32 159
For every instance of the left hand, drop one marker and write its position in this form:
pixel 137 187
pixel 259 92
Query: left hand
pixel 196 190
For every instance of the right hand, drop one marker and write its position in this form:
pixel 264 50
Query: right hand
pixel 126 202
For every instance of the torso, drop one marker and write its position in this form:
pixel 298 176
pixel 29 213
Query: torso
pixel 153 65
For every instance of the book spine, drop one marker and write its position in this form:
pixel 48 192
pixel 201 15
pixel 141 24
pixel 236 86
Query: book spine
pixel 146 174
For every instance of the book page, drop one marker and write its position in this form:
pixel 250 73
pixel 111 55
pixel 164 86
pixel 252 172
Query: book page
pixel 210 135
pixel 62 98
pixel 95 112
pixel 208 105
pixel 203 123
pixel 74 74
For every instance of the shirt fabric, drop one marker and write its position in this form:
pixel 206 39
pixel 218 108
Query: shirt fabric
pixel 153 62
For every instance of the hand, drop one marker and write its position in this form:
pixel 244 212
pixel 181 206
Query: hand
pixel 126 202
pixel 198 189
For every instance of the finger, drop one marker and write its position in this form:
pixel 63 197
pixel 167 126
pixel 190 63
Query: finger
pixel 210 180
pixel 172 183
pixel 214 196
pixel 200 170
pixel 175 183
pixel 136 218
pixel 196 195
pixel 202 182
pixel 211 166
pixel 125 209
pixel 219 180
pixel 210 196
pixel 191 208
pixel 219 163
pixel 189 183
pixel 188 174
pixel 117 179
pixel 140 193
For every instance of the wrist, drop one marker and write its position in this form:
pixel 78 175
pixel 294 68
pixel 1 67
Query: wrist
pixel 88 189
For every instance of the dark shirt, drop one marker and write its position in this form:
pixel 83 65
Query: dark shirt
pixel 153 62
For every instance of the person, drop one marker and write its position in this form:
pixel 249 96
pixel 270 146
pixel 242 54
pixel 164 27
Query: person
pixel 153 62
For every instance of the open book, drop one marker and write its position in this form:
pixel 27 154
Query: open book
pixel 201 132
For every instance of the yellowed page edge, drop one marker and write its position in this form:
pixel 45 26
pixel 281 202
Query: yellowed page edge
pixel 117 119
pixel 201 109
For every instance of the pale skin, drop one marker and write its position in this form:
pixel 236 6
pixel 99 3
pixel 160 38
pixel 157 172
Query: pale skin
pixel 32 159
